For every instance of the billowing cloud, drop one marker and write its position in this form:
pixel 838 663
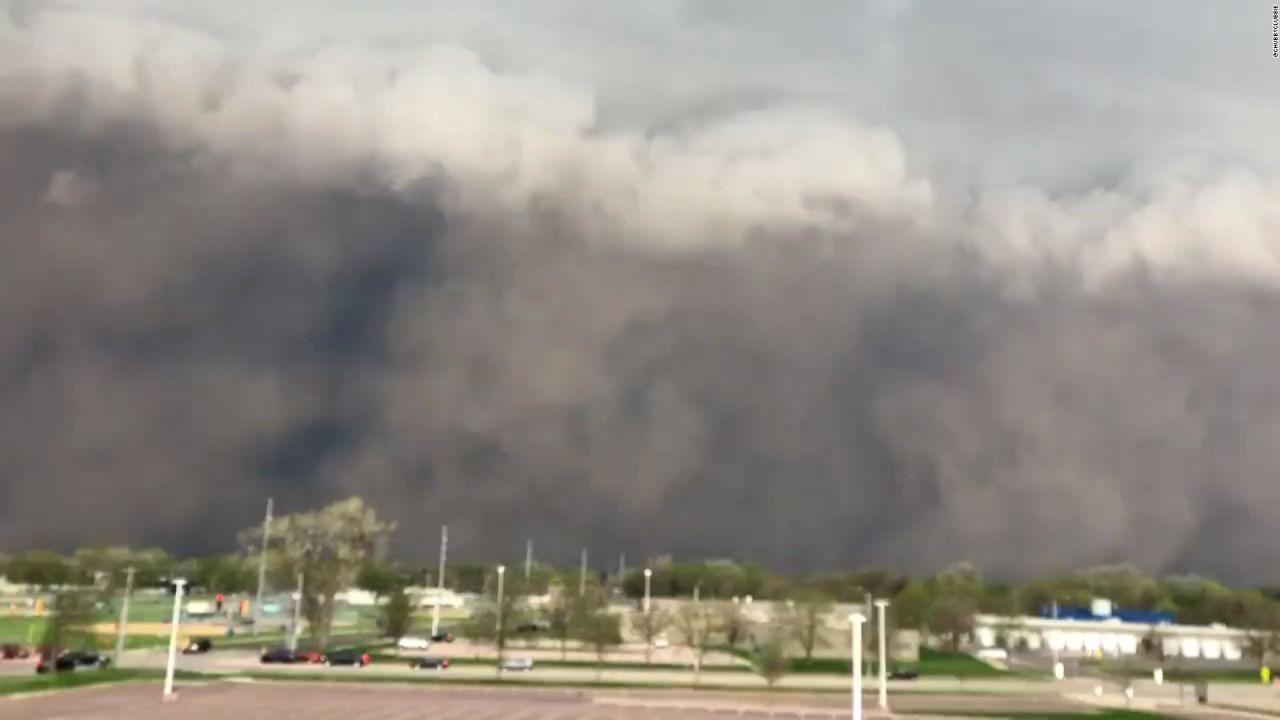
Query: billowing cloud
pixel 697 278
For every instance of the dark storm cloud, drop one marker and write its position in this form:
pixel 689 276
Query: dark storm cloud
pixel 518 274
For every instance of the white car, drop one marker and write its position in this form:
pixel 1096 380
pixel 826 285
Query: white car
pixel 410 642
pixel 520 664
pixel 661 642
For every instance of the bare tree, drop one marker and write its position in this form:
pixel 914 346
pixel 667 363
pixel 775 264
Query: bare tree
pixel 649 625
pixel 770 660
pixel 806 618
pixel 695 625
pixel 732 622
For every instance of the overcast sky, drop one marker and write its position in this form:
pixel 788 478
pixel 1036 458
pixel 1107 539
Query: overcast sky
pixel 815 283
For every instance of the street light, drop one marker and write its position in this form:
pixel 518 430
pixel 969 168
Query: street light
pixel 497 639
pixel 855 629
pixel 178 585
pixel 881 606
pixel 648 582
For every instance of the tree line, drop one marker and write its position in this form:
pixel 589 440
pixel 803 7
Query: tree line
pixel 344 545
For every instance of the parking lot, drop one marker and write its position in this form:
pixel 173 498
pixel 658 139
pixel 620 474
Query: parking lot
pixel 247 701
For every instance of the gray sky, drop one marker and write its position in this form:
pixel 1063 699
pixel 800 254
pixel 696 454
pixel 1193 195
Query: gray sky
pixel 817 284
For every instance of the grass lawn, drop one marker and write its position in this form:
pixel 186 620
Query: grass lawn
pixel 80 678
pixel 933 663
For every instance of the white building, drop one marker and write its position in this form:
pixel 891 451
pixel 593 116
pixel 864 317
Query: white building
pixel 1110 637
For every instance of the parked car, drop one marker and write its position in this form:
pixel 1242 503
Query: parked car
pixel 518 664
pixel 346 656
pixel 430 663
pixel 533 627
pixel 410 642
pixel 198 646
pixel 313 657
pixel 661 642
pixel 903 674
pixel 13 651
pixel 279 655
pixel 86 658
pixel 69 660
pixel 442 635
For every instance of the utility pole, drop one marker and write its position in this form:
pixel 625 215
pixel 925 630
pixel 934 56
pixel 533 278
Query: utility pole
pixel 582 575
pixel 297 617
pixel 123 624
pixel 435 611
pixel 622 567
pixel 498 639
pixel 262 567
pixel 866 609
pixel 528 561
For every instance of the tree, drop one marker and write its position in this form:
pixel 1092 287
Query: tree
pixel 602 631
pixel 382 579
pixel 732 622
pixel 43 568
pixel 770 660
pixel 69 622
pixel 806 618
pixel 649 625
pixel 566 616
pixel 951 617
pixel 695 626
pixel 911 605
pixel 328 547
pixel 222 573
pixel 395 617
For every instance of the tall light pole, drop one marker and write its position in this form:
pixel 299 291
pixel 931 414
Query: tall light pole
pixel 497 638
pixel 178 586
pixel 262 567
pixel 435 610
pixel 881 658
pixel 123 624
pixel 528 561
pixel 582 575
pixel 648 582
pixel 297 616
pixel 855 628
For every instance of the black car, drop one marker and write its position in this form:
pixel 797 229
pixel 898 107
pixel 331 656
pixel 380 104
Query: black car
pixel 69 660
pixel 533 628
pixel 430 663
pixel 279 655
pixel 347 656
pixel 903 674
pixel 198 646
pixel 442 635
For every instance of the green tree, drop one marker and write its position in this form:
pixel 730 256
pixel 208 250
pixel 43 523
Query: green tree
pixel 911 605
pixel 601 631
pixel 395 617
pixel 43 568
pixel 770 660
pixel 328 547
pixel 649 625
pixel 950 617
pixel 383 579
pixel 68 626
